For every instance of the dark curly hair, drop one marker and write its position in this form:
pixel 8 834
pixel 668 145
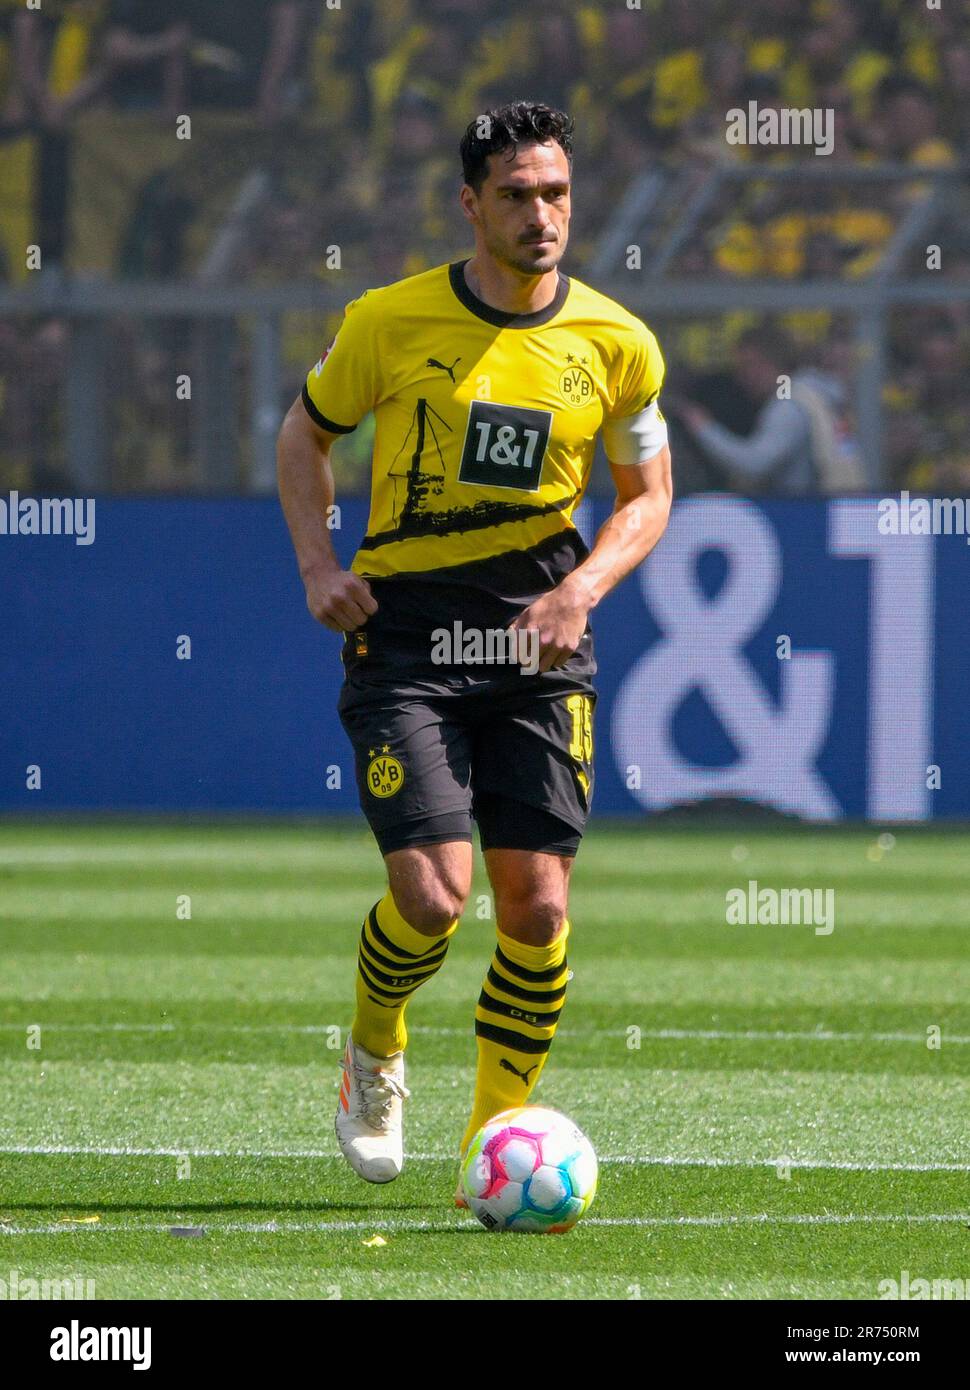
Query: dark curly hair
pixel 516 123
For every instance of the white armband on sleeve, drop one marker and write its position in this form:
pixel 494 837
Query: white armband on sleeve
pixel 635 438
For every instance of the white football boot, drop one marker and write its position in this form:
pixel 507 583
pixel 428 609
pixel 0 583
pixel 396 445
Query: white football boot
pixel 368 1122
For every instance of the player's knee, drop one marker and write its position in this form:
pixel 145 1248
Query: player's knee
pixel 434 918
pixel 430 885
pixel 430 909
pixel 534 918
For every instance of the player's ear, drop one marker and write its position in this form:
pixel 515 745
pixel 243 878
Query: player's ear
pixel 466 196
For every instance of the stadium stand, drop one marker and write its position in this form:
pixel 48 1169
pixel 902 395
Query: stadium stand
pixel 317 128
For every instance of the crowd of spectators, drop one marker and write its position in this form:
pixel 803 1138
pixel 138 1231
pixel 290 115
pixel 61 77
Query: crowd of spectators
pixel 355 111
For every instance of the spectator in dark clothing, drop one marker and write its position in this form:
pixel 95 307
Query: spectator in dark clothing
pixel 795 446
pixel 205 53
pixel 149 54
pixel 33 35
pixel 244 54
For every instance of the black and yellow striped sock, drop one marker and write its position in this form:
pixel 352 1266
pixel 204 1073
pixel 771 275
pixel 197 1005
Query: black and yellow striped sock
pixel 392 962
pixel 515 1022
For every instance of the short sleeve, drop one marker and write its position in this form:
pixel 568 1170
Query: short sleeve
pixel 345 384
pixel 641 375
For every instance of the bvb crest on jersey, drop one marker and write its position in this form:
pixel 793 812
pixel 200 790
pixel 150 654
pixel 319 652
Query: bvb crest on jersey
pixel 575 383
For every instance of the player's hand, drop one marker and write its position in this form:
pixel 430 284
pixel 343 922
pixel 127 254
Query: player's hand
pixel 340 599
pixel 560 617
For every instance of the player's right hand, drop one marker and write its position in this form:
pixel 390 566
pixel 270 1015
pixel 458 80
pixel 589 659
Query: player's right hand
pixel 340 599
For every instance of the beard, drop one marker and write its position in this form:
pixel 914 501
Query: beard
pixel 528 260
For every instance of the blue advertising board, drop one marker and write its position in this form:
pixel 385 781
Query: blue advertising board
pixel 786 652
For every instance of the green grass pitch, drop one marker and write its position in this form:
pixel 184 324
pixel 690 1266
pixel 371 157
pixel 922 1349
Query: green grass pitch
pixel 781 1130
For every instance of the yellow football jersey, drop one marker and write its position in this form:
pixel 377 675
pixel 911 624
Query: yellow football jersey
pixel 486 422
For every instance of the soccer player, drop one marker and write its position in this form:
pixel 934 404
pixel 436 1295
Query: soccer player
pixel 468 658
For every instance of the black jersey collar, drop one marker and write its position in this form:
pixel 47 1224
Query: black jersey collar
pixel 501 318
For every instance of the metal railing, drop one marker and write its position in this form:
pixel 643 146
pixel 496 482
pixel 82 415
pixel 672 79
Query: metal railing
pixel 217 310
pixel 868 299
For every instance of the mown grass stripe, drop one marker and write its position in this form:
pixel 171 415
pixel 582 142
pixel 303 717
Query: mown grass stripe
pixel 636 1160
pixel 652 1034
pixel 379 1224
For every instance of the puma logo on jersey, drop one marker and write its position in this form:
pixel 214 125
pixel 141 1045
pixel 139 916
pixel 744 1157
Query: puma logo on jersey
pixel 433 362
pixel 522 1075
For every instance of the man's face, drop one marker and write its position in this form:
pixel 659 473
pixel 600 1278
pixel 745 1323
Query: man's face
pixel 523 209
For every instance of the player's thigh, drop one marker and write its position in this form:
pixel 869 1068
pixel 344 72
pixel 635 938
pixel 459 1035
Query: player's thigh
pixel 430 883
pixel 412 756
pixel 535 749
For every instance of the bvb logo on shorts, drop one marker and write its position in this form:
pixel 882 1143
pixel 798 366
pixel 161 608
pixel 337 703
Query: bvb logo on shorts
pixel 385 775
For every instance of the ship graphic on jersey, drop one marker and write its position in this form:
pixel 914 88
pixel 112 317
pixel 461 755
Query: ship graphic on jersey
pixel 419 476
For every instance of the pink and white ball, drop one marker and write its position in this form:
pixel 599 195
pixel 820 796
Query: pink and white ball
pixel 529 1169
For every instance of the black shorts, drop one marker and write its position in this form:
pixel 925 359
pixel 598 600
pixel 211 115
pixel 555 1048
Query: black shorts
pixel 432 751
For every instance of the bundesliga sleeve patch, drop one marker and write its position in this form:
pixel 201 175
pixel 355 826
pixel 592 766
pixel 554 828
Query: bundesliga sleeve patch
pixel 323 357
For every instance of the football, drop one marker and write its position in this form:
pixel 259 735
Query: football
pixel 529 1169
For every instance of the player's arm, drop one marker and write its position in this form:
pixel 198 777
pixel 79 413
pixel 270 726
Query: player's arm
pixel 644 492
pixel 635 439
pixel 338 598
pixel 640 512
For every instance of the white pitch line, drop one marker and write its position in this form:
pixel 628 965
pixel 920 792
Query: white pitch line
pixel 820 1035
pixel 635 1160
pixel 380 1225
pixel 655 1034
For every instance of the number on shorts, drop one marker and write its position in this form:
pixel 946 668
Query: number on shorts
pixel 581 711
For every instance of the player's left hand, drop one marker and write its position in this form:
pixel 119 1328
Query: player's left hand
pixel 560 618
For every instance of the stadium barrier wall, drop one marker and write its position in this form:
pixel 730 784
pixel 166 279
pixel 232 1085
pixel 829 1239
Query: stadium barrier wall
pixel 787 652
